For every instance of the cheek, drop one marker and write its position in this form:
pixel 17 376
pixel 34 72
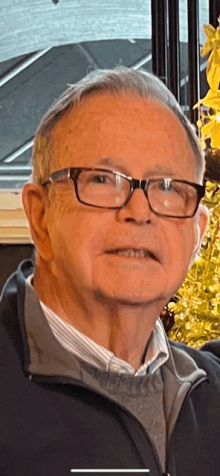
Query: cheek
pixel 77 235
pixel 180 248
pixel 72 254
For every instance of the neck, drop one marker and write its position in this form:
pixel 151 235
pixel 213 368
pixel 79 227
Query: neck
pixel 122 328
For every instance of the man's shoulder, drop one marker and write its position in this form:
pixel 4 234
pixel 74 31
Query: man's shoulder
pixel 206 357
pixel 14 288
pixel 11 302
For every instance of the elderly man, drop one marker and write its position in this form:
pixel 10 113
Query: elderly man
pixel 90 380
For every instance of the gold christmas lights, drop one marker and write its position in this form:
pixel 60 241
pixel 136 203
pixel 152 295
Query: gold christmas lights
pixel 196 310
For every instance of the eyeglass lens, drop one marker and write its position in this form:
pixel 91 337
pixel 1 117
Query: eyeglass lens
pixel 107 189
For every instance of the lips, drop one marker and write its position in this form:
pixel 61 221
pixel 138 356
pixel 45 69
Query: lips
pixel 134 252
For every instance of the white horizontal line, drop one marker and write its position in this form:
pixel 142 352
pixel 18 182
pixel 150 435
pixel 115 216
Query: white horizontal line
pixel 110 470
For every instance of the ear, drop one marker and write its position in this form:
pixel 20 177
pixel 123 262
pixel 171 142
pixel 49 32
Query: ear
pixel 201 221
pixel 34 204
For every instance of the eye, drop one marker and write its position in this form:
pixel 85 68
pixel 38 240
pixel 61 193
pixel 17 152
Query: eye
pixel 99 178
pixel 170 187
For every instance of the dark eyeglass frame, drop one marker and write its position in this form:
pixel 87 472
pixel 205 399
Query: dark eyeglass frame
pixel 73 174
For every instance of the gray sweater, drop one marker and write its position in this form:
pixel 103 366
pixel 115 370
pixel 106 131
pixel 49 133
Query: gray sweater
pixel 142 396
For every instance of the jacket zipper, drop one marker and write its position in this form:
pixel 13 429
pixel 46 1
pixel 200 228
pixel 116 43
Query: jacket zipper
pixel 49 379
pixel 188 395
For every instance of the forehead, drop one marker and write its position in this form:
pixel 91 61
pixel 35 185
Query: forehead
pixel 96 110
pixel 122 126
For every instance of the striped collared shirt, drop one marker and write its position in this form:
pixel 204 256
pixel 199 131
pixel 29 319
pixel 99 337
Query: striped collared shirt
pixel 91 352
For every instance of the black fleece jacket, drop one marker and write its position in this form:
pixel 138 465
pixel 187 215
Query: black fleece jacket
pixel 50 424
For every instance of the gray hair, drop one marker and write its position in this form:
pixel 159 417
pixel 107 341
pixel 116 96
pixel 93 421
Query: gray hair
pixel 117 80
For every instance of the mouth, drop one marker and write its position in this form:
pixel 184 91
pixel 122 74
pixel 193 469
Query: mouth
pixel 133 253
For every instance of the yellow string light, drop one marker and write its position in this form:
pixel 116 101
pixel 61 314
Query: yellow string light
pixel 197 310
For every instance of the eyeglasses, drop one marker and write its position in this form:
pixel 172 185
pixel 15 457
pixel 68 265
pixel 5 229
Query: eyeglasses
pixel 103 188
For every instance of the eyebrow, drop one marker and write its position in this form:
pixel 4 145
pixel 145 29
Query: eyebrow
pixel 158 169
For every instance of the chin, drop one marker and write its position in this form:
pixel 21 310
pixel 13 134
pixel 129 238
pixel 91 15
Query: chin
pixel 138 302
pixel 131 288
pixel 129 297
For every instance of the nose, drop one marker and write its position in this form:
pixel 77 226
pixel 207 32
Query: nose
pixel 137 209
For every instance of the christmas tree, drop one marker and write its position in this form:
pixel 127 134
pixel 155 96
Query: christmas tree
pixel 193 314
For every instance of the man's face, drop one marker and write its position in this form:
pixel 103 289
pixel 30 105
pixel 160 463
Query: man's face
pixel 144 140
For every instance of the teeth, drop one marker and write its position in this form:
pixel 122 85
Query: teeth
pixel 133 253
